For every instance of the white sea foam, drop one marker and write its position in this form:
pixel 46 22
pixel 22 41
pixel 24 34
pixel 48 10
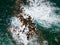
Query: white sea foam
pixel 40 11
pixel 16 27
pixel 43 13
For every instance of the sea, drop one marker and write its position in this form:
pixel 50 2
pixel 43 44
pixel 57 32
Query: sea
pixel 46 17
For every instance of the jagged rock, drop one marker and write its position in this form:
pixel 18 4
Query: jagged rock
pixel 27 22
pixel 31 25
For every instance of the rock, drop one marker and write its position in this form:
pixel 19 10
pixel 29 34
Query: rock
pixel 21 44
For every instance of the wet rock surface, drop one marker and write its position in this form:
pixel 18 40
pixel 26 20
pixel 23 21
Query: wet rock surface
pixel 27 30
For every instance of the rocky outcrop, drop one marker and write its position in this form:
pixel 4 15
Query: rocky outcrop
pixel 26 21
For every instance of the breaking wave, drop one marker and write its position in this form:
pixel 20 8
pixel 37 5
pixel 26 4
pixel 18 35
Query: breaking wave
pixel 41 11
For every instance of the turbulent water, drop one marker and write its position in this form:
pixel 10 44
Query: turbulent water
pixel 45 14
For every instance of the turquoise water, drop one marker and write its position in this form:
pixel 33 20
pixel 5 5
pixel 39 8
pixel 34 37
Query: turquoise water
pixel 5 36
